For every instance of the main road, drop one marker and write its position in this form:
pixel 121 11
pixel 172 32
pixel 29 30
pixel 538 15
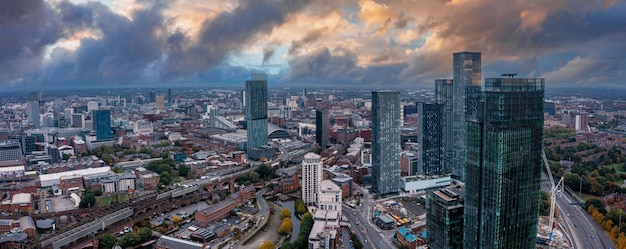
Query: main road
pixel 359 218
pixel 583 230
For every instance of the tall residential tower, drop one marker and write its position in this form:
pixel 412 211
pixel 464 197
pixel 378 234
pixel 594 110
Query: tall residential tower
pixel 256 110
pixel 311 178
pixel 504 143
pixel 385 141
pixel 465 92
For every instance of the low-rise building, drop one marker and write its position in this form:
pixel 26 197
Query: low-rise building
pixel 414 184
pixel 167 242
pixel 222 209
pixel 146 178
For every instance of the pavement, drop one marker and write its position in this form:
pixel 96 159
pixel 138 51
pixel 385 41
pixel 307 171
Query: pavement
pixel 581 228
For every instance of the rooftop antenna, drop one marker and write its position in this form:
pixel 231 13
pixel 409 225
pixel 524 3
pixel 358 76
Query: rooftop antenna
pixel 509 75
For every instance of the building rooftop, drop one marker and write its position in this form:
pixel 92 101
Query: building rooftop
pixel 82 172
pixel 21 198
pixel 328 185
pixel 174 243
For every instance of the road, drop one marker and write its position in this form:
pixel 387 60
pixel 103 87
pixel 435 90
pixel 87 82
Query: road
pixel 583 230
pixel 360 220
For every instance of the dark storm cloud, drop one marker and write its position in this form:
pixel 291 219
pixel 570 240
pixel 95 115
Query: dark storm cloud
pixel 267 54
pixel 228 32
pixel 26 28
pixel 339 67
pixel 121 55
pixel 402 21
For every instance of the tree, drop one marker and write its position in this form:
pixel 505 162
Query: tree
pixel 285 227
pixel 285 213
pixel 130 239
pixel 596 203
pixel 145 234
pixel 267 245
pixel 300 207
pixel 254 177
pixel 183 170
pixel 544 208
pixel 117 169
pixel 287 245
pixel 89 200
pixel 176 219
pixel 107 241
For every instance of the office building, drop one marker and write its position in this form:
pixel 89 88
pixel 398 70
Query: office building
pixel 465 92
pixel 160 102
pixel 102 124
pixel 169 96
pixel 92 106
pixel 256 111
pixel 78 120
pixel 504 144
pixel 152 96
pixel 329 197
pixel 322 126
pixel 429 138
pixel 443 92
pixel 10 151
pixel 444 220
pixel 28 144
pixel 385 141
pixel 311 177
pixel 33 114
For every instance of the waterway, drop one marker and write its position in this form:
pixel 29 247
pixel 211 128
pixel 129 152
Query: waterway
pixel 290 205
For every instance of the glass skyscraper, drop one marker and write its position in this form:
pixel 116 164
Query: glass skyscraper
pixel 504 142
pixel 102 124
pixel 322 124
pixel 443 92
pixel 256 111
pixel 444 219
pixel 429 138
pixel 465 92
pixel 385 141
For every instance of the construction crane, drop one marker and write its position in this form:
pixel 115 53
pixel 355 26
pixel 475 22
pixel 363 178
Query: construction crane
pixel 554 190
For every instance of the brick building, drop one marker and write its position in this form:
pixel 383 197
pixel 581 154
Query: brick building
pixel 222 209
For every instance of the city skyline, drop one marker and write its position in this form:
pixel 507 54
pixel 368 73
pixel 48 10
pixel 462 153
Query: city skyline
pixel 65 44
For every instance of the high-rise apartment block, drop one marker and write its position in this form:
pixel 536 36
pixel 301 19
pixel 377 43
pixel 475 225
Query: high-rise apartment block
pixel 504 143
pixel 429 138
pixel 102 124
pixel 160 102
pixel 322 126
pixel 444 219
pixel 386 141
pixel 444 93
pixel 465 93
pixel 78 120
pixel 311 178
pixel 256 111
pixel 33 114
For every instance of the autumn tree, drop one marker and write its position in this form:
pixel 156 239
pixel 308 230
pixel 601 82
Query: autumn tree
pixel 176 219
pixel 267 245
pixel 285 213
pixel 285 226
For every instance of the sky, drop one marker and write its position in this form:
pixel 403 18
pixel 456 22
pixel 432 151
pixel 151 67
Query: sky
pixel 324 43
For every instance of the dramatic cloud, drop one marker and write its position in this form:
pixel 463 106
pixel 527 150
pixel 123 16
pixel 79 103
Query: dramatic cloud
pixel 407 43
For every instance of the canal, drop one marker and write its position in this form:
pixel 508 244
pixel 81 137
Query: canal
pixel 290 205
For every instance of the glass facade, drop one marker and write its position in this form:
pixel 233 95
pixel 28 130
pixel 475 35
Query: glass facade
pixel 322 124
pixel 256 111
pixel 102 124
pixel 465 92
pixel 429 138
pixel 444 220
pixel 443 91
pixel 503 174
pixel 385 141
